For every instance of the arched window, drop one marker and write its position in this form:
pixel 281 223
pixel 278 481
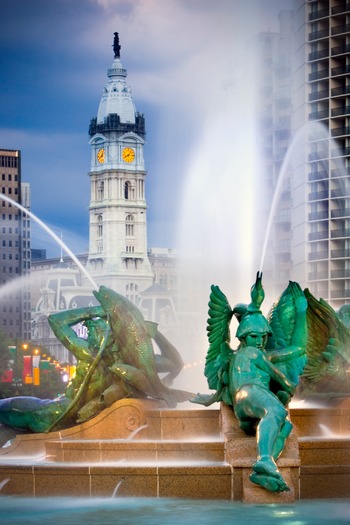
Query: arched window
pixel 129 226
pixel 100 190
pixel 127 190
pixel 99 226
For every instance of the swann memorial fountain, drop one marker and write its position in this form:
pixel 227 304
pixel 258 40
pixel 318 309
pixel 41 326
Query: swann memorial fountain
pixel 121 431
pixel 117 429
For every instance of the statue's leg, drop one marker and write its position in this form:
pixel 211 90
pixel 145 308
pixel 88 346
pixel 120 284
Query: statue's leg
pixel 281 438
pixel 258 403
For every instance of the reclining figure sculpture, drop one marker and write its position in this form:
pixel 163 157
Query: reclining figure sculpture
pixel 116 361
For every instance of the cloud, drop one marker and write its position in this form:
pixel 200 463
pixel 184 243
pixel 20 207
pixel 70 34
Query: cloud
pixel 180 55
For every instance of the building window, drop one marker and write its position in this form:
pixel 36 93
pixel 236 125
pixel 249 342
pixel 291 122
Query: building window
pixel 99 226
pixel 100 190
pixel 129 191
pixel 129 226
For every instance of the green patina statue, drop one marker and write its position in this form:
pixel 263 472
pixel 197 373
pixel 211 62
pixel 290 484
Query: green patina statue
pixel 259 378
pixel 115 361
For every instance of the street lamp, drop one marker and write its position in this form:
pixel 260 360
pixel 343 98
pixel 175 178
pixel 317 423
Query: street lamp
pixel 36 366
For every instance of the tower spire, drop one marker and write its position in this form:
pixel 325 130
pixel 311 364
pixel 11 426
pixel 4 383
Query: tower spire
pixel 116 46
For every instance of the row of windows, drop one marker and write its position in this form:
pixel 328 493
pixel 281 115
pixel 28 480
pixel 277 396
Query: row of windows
pixel 4 322
pixel 10 244
pixel 16 230
pixel 26 265
pixel 9 309
pixel 129 191
pixel 9 177
pixel 131 287
pixel 4 256
pixel 10 269
pixel 9 217
pixel 129 226
pixel 8 161
pixel 9 192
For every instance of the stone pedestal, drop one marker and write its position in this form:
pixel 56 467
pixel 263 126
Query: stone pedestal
pixel 241 455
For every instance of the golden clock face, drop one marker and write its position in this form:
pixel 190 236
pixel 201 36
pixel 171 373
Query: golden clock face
pixel 128 154
pixel 101 155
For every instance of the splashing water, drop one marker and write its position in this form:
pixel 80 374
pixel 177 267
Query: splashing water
pixel 54 236
pixel 115 491
pixel 3 483
pixel 310 132
pixel 136 431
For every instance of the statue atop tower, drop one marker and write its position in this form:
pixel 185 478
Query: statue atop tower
pixel 116 46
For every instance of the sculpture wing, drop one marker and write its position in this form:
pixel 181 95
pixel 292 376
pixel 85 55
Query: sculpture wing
pixel 328 350
pixel 281 318
pixel 219 353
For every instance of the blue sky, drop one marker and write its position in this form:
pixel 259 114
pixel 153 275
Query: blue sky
pixel 178 53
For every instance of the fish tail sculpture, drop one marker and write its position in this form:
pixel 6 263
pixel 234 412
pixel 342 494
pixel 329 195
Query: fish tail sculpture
pixel 137 365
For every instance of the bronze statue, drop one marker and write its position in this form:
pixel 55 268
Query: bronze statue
pixel 116 46
pixel 117 360
pixel 260 377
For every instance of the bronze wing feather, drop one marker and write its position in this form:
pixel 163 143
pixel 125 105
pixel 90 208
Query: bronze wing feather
pixel 219 353
pixel 328 350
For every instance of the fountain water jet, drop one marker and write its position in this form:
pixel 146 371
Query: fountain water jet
pixel 54 236
pixel 311 131
pixel 115 491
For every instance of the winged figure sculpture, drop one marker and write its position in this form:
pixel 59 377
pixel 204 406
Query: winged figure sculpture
pixel 302 346
pixel 260 376
pixel 282 346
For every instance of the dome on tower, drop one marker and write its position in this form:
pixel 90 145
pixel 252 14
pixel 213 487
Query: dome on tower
pixel 116 111
pixel 116 96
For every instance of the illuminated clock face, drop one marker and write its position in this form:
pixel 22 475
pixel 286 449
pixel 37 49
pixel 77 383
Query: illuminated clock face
pixel 128 154
pixel 101 155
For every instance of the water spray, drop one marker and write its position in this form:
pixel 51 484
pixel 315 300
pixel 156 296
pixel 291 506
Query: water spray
pixel 54 236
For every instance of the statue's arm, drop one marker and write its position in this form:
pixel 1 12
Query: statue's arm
pixel 61 324
pixel 278 376
pixel 285 354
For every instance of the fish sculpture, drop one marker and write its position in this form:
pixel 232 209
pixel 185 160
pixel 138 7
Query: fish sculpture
pixel 116 360
pixel 135 361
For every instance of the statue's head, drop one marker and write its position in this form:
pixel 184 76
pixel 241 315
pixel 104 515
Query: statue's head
pixel 253 330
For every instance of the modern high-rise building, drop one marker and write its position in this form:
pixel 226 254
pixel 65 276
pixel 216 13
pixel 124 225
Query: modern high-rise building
pixel 118 225
pixel 310 236
pixel 15 297
pixel 321 129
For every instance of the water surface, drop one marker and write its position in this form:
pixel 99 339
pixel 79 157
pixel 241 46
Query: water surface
pixel 150 511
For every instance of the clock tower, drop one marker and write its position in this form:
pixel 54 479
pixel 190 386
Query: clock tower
pixel 118 226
